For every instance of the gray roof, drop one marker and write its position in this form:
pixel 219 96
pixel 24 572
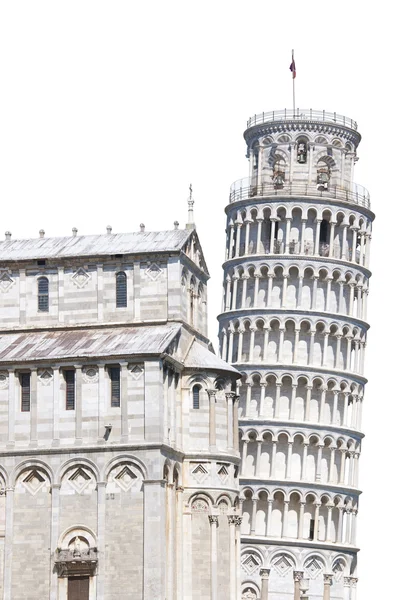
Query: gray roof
pixel 87 343
pixel 94 245
pixel 199 357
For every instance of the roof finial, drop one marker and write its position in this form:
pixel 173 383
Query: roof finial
pixel 191 202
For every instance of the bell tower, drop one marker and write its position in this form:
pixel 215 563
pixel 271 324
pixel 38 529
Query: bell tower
pixel 296 282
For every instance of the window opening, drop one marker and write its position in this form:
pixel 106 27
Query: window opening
pixel 323 235
pixel 42 294
pixel 114 373
pixel 70 389
pixel 196 398
pixel 312 529
pixel 121 290
pixel 25 392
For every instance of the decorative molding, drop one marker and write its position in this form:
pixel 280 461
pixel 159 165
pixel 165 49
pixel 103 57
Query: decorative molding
pixel 125 478
pixel 79 480
pixel 136 371
pixel 6 281
pixel 34 482
pixel 199 472
pixel 80 277
pixel 45 376
pixel 153 271
pixel 4 377
pixel 283 564
pixel 90 374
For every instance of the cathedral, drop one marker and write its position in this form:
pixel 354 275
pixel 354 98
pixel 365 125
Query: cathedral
pixel 138 464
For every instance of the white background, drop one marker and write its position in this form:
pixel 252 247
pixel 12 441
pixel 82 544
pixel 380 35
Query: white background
pixel 109 110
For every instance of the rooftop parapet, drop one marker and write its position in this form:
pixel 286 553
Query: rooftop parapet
pixel 303 114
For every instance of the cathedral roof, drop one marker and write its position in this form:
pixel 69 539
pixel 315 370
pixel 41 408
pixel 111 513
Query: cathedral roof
pixel 139 242
pixel 199 357
pixel 86 343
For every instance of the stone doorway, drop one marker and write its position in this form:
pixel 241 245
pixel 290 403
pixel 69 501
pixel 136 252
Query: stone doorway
pixel 78 588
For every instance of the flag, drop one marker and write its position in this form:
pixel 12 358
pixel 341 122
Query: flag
pixel 293 67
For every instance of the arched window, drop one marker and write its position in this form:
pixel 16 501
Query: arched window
pixel 42 294
pixel 121 290
pixel 196 396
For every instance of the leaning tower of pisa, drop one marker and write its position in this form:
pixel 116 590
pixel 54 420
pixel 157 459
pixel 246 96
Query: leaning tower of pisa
pixel 293 322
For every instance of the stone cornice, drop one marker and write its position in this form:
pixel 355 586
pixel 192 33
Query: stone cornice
pixel 283 542
pixel 297 484
pixel 325 429
pixel 301 125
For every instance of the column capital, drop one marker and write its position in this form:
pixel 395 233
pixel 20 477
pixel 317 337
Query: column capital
pixel 264 573
pixel 327 579
pixel 298 575
pixel 213 519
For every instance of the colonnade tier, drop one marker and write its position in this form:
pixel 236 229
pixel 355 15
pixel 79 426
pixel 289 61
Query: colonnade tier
pixel 300 458
pixel 309 515
pixel 295 286
pixel 291 227
pixel 326 343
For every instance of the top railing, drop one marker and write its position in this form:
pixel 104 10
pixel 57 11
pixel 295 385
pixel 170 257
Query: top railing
pixel 301 114
pixel 246 188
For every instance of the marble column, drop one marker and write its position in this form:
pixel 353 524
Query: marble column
pixel 214 554
pixel 327 582
pixel 264 574
pixel 212 419
pixel 232 555
pixel 297 577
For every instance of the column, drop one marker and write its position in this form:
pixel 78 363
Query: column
pixel 341 296
pixel 304 465
pixel 365 304
pixel 240 344
pixel 124 417
pixel 273 457
pixel 230 345
pixel 272 239
pixel 314 292
pixel 302 238
pixel 238 523
pixel 244 291
pixel 12 380
pixel 317 235
pixel 331 239
pixel 285 518
pixel 231 239
pixel 8 539
pixel 308 403
pixel 224 345
pixel 327 582
pixel 247 236
pixel 354 244
pixel 238 232
pixel 347 587
pixel 266 336
pixel 362 360
pixel 335 406
pixel 329 521
pixel 293 402
pixel 259 168
pixel 342 466
pixel 351 469
pixel 259 228
pixel 234 291
pixel 319 463
pixel 344 243
pixel 249 386
pixel 101 538
pixel 269 291
pixel 244 456
pixel 338 351
pixel 367 250
pixel 325 348
pixel 179 558
pixel 269 517
pixel 359 301
pixel 300 291
pixel 212 419
pixel 301 520
pixel 348 526
pixel 254 514
pixel 289 460
pixel 331 464
pixel 78 405
pixel 328 292
pixel 154 539
pixel 351 301
pixel 236 423
pixel 264 574
pixel 316 521
pixel 55 383
pixel 227 303
pixel 356 355
pixel 287 240
pixel 54 536
pixel 277 398
pixel 354 527
pixel 345 411
pixel 232 554
pixel 251 346
pixel 362 247
pixel 33 407
pixel 256 286
pixel 354 581
pixel 230 419
pixel 213 526
pixel 340 525
pixel 263 386
pixel 322 407
pixel 258 458
pixel 281 340
pixel 297 577
pixel 284 290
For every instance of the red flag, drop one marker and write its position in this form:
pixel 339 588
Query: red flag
pixel 293 67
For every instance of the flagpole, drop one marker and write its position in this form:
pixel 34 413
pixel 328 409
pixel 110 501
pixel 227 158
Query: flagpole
pixel 294 90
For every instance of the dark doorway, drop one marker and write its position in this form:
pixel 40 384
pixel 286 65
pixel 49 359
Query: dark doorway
pixel 78 588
